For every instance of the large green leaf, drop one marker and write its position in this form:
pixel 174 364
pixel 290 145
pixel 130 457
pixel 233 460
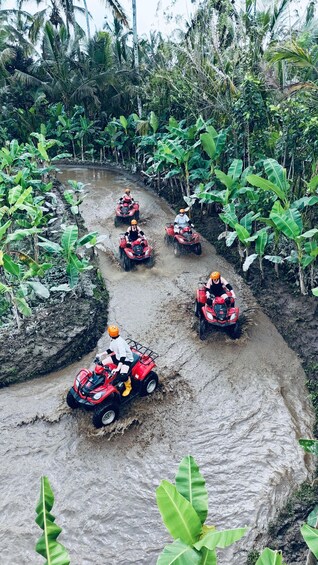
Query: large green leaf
pixel 209 556
pixel 265 184
pixel 225 179
pixel 154 122
pixel 43 152
pixel 220 538
pixel 261 242
pixel 312 519
pixel 22 306
pixel 178 514
pixel 39 289
pixel 50 246
pixel 242 233
pixel 191 484
pixel 88 238
pixel 178 553
pixel 229 216
pixel 208 144
pixel 69 238
pixel 47 546
pixel 4 228
pixel 17 235
pixel 72 274
pixel 236 169
pixel 276 174
pixel 310 536
pixel 270 557
pixel 248 261
pixel 10 266
pixel 289 223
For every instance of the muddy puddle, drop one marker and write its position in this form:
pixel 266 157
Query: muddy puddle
pixel 237 406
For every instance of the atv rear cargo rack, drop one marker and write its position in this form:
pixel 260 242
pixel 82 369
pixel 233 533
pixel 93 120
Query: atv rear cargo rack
pixel 142 349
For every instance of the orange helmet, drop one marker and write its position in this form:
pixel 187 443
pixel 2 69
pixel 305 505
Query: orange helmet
pixel 133 222
pixel 182 211
pixel 127 190
pixel 215 275
pixel 113 331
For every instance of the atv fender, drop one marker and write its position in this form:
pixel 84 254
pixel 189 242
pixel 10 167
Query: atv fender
pixel 201 295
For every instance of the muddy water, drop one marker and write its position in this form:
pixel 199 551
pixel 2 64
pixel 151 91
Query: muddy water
pixel 237 407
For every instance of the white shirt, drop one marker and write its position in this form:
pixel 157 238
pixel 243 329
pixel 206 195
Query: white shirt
pixel 182 221
pixel 121 348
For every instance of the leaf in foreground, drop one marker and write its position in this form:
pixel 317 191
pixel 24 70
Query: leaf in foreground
pixel 178 553
pixel 47 546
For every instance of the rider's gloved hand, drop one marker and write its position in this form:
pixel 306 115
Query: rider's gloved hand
pixel 97 359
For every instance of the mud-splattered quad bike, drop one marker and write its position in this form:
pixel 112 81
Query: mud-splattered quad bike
pixel 125 212
pixel 138 251
pixel 220 315
pixel 185 241
pixel 94 391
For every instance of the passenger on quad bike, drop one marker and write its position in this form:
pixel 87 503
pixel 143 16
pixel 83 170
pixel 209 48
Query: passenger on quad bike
pixel 218 286
pixel 121 355
pixel 134 232
pixel 126 198
pixel 181 221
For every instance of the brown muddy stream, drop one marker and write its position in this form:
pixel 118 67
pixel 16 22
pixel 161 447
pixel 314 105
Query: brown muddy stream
pixel 237 406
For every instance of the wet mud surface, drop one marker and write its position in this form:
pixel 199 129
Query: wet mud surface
pixel 237 406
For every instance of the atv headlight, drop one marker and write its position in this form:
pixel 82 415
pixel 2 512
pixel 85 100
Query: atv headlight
pixel 209 315
pixel 147 252
pixel 78 381
pixel 233 316
pixel 97 396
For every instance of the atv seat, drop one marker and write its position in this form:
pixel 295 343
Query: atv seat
pixel 135 359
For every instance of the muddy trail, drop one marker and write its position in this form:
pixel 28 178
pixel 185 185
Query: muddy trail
pixel 237 406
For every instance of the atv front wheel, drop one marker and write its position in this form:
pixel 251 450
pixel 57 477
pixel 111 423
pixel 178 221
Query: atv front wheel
pixel 71 401
pixel 197 249
pixel 150 384
pixel 150 262
pixel 105 415
pixel 197 309
pixel 136 215
pixel 235 331
pixel 127 263
pixel 176 249
pixel 167 239
pixel 202 329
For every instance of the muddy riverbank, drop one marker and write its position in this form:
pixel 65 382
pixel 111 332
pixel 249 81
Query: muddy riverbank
pixel 237 407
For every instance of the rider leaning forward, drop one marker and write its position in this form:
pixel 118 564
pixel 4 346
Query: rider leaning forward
pixel 181 221
pixel 218 286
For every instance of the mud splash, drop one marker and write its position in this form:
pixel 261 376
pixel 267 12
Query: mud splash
pixel 237 407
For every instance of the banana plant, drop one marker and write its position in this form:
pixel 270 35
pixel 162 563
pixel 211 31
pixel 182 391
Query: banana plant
pixel 68 250
pixel 213 143
pixel 184 509
pixel 48 546
pixel 270 557
pixel 72 195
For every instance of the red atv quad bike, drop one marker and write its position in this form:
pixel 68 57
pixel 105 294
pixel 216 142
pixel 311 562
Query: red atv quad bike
pixel 93 390
pixel 126 211
pixel 222 314
pixel 186 241
pixel 138 251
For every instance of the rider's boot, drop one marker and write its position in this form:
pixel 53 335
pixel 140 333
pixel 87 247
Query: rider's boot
pixel 128 387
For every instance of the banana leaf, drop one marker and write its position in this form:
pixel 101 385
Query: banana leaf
pixel 221 538
pixel 289 223
pixel 208 144
pixel 178 514
pixel 310 536
pixel 10 266
pixel 309 445
pixel 69 238
pixel 47 546
pixel 208 556
pixel 178 553
pixel 235 169
pixel 270 557
pixel 276 174
pixel 224 179
pixel 312 518
pixel 265 184
pixel 191 484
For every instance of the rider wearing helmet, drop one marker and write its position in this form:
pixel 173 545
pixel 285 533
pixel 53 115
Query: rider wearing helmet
pixel 121 355
pixel 218 286
pixel 126 198
pixel 181 221
pixel 133 232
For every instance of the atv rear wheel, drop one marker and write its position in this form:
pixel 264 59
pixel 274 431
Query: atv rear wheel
pixel 235 331
pixel 150 384
pixel 202 329
pixel 117 222
pixel 126 262
pixel 71 401
pixel 105 415
pixel 197 249
pixel 176 249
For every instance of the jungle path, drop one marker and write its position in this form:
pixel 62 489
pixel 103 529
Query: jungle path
pixel 237 406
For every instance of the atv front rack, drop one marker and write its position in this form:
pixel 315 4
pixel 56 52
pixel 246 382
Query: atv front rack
pixel 142 349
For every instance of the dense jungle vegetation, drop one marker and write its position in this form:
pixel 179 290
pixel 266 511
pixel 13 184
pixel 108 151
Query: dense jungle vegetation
pixel 223 113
